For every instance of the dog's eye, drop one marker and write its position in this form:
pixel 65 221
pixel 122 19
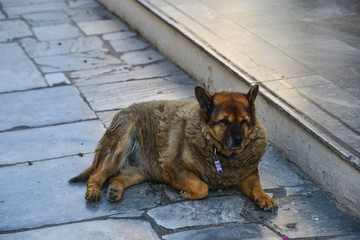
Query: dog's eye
pixel 243 122
pixel 224 121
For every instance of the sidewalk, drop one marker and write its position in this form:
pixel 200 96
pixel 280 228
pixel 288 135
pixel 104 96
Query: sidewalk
pixel 66 67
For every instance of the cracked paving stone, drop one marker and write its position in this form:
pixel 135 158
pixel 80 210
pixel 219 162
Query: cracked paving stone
pixel 102 26
pixel 83 4
pixel 60 47
pixel 46 18
pixel 310 215
pixel 208 211
pixel 56 32
pixel 85 74
pixel 11 78
pixel 49 142
pixel 13 29
pixel 231 231
pixel 14 11
pixel 182 78
pixel 141 57
pixel 155 70
pixel 112 96
pixel 100 229
pixel 118 35
pixel 75 61
pixel 129 44
pixel 41 107
pixel 50 199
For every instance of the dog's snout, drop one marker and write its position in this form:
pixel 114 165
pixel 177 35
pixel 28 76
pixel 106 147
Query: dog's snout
pixel 237 140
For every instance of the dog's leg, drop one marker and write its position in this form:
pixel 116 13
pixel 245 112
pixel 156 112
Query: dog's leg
pixel 251 187
pixel 110 165
pixel 95 182
pixel 127 178
pixel 188 183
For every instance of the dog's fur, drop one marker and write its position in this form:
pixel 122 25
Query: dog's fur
pixel 176 142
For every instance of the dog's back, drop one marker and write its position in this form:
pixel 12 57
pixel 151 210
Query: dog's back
pixel 146 130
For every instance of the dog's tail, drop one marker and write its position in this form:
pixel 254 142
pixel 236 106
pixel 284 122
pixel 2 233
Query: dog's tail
pixel 84 176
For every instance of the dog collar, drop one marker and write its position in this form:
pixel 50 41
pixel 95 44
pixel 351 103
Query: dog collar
pixel 217 152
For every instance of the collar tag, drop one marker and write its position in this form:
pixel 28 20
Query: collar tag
pixel 218 166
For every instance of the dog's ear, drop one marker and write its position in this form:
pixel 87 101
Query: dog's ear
pixel 251 95
pixel 205 100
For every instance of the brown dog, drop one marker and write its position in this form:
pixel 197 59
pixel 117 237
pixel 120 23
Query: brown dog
pixel 214 142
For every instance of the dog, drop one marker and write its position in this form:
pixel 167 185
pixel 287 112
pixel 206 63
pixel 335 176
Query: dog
pixel 213 142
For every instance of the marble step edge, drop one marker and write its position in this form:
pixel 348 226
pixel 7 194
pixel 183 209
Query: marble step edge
pixel 329 164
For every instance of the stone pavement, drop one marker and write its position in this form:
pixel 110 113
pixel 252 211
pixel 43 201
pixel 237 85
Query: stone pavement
pixel 66 67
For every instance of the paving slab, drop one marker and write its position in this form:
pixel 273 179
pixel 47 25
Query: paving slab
pixel 49 142
pixel 208 211
pixel 46 18
pixel 75 61
pixel 128 44
pixel 11 78
pixel 127 73
pixel 275 171
pixel 89 13
pixel 96 72
pixel 119 35
pixel 142 57
pixel 14 3
pixel 102 26
pixel 16 10
pixel 10 30
pixel 54 79
pixel 119 95
pixel 105 229
pixel 56 32
pixel 60 47
pixel 231 231
pixel 43 107
pixel 310 215
pixel 50 199
pixel 83 4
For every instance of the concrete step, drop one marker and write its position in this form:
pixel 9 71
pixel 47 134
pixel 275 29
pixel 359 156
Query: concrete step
pixel 309 118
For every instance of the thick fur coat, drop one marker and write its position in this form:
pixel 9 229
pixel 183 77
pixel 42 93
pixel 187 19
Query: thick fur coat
pixel 176 142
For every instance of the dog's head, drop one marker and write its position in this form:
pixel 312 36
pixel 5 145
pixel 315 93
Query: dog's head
pixel 228 117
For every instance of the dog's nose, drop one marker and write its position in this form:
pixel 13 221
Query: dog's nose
pixel 237 140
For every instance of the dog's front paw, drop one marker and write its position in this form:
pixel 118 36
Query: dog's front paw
pixel 267 203
pixel 93 193
pixel 114 194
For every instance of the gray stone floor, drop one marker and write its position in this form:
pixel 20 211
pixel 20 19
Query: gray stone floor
pixel 66 68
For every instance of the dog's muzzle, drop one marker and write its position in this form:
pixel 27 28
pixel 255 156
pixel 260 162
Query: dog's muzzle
pixel 235 142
